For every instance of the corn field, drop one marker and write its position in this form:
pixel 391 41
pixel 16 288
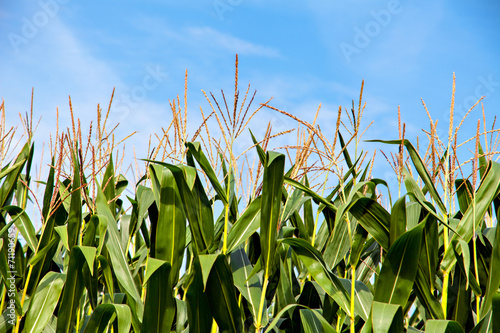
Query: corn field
pixel 303 238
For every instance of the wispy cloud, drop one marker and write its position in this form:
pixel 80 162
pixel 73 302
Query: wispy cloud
pixel 207 36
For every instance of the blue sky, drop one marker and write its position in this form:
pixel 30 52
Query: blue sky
pixel 300 53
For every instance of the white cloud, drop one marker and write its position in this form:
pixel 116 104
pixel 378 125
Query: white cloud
pixel 206 36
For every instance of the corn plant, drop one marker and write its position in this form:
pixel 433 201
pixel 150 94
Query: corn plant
pixel 310 246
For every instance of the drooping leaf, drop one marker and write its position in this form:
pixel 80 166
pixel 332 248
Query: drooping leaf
pixel 12 175
pixel 485 194
pixel 195 149
pixel 311 193
pixel 103 314
pixel 421 169
pixel 315 265
pixel 374 219
pixel 118 254
pixel 23 224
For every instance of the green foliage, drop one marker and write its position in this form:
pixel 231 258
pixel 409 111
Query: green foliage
pixel 189 254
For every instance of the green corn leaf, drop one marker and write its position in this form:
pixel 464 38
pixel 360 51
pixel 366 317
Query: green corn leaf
pixel 12 177
pixel 206 263
pixel 159 309
pixel 374 219
pixel 72 292
pixel 464 192
pixel 12 168
pixel 151 266
pixel 428 261
pixel 103 315
pixel 312 294
pixel 429 302
pixel 245 226
pixel 358 242
pixel 443 326
pixel 108 275
pixel 398 219
pixel 421 169
pixel 23 224
pixel 310 193
pixel 196 206
pixel 145 200
pixel 108 185
pixel 284 295
pixel 485 194
pixel 195 149
pixel 459 296
pixel 118 254
pixel 91 283
pixel 308 212
pixel 270 208
pixel 427 266
pixel 310 324
pixel 75 211
pixel 494 275
pixel 387 318
pixel 495 313
pixel 57 218
pixel 325 325
pixel 260 152
pixel 414 190
pixel 338 245
pixel 249 287
pixel 181 317
pixel 199 310
pixel 62 231
pixel 222 297
pixel 121 184
pixel 170 234
pixel 44 301
pixel 44 255
pixel 47 195
pixel 6 228
pixel 363 297
pixel 293 204
pixel 345 152
pixel 399 269
pixel 5 268
pixel 315 265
